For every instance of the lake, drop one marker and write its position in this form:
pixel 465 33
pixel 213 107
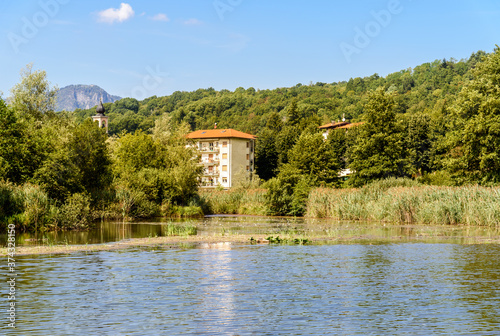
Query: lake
pixel 424 282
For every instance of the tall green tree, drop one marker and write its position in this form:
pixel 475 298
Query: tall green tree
pixel 312 156
pixel 12 145
pixel 378 152
pixel 418 141
pixel 91 155
pixel 266 155
pixel 33 96
pixel 474 140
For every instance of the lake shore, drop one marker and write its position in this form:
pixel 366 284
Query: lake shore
pixel 218 241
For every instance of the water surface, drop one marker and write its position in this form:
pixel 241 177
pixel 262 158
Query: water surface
pixel 223 289
pixel 341 231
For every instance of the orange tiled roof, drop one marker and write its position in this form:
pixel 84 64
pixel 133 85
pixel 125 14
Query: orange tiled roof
pixel 219 133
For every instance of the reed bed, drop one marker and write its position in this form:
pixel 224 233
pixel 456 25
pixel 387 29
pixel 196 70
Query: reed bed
pixel 236 201
pixel 470 205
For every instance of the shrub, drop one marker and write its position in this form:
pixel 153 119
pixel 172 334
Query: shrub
pixel 75 213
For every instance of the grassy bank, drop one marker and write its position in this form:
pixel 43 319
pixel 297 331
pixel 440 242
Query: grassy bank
pixel 391 200
pixel 237 201
pixel 470 205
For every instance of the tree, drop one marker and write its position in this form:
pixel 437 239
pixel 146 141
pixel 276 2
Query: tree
pixel 378 151
pixel 266 155
pixel 312 156
pixel 293 116
pixel 474 142
pixel 78 162
pixel 338 141
pixel 161 167
pixel 12 145
pixel 91 155
pixel 418 143
pixel 33 96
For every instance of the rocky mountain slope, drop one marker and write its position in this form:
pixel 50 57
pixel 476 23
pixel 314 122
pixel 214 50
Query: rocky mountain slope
pixel 72 97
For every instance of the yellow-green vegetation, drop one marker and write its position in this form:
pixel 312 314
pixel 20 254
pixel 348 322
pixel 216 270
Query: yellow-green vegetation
pixel 179 230
pixel 471 205
pixel 236 201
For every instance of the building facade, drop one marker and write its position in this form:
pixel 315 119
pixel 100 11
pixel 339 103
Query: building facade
pixel 226 155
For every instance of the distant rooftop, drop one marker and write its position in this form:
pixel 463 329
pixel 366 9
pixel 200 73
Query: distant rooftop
pixel 219 133
pixel 340 124
pixel 335 124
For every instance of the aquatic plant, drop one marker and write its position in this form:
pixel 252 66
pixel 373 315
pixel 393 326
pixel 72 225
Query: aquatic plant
pixel 179 230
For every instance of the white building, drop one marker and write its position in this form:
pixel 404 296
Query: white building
pixel 226 155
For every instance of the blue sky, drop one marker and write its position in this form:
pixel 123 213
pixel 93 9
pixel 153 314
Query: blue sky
pixel 144 48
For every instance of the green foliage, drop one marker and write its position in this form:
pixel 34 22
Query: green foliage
pixel 33 97
pixel 311 156
pixel 12 144
pixel 266 154
pixel 75 213
pixel 287 193
pixel 151 170
pixel 378 151
pixel 474 140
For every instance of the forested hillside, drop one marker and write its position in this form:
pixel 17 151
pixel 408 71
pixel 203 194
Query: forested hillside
pixel 424 89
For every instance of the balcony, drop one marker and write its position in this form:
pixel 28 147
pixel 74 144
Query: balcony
pixel 210 162
pixel 210 173
pixel 209 149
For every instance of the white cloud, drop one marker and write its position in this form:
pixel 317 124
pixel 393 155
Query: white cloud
pixel 160 17
pixel 111 15
pixel 192 22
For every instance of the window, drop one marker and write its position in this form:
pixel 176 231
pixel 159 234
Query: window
pixel 248 168
pixel 224 156
pixel 224 144
pixel 248 156
pixel 248 144
pixel 224 180
pixel 224 168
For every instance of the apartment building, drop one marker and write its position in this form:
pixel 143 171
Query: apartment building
pixel 226 155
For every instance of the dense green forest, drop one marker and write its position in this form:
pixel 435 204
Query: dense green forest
pixel 438 123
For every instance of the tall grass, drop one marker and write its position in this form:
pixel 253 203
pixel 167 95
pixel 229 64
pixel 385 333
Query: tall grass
pixel 29 208
pixel 235 201
pixel 399 201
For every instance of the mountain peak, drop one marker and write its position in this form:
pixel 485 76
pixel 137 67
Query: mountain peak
pixel 81 96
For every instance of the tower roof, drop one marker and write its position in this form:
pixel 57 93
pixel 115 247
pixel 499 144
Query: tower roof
pixel 100 108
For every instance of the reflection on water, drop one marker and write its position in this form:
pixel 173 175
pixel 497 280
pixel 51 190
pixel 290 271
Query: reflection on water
pixel 223 289
pixel 340 231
